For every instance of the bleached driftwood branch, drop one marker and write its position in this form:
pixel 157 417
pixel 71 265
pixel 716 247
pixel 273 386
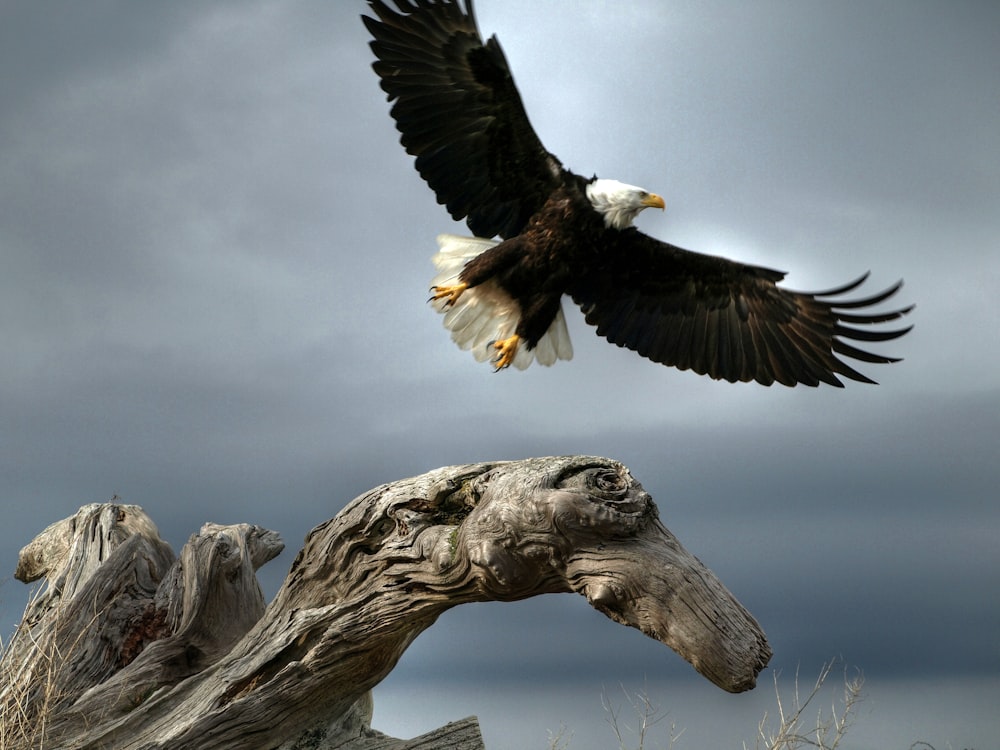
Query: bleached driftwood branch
pixel 128 648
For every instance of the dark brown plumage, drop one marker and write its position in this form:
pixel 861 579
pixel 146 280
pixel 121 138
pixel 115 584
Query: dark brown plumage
pixel 460 115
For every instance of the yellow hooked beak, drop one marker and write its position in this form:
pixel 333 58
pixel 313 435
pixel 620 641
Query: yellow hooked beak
pixel 653 201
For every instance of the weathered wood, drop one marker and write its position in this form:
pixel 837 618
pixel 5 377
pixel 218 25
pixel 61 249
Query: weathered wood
pixel 128 648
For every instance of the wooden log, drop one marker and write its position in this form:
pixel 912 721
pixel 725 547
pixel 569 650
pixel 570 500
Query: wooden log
pixel 129 648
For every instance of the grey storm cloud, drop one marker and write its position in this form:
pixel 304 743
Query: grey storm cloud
pixel 215 261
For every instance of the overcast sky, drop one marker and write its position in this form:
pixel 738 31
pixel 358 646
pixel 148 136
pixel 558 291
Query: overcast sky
pixel 214 261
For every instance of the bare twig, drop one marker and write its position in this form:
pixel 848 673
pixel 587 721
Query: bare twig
pixel 647 713
pixel 829 729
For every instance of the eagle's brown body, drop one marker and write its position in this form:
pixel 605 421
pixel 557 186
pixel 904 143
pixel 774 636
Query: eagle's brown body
pixel 536 267
pixel 460 115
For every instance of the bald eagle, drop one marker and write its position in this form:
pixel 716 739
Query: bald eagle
pixel 460 115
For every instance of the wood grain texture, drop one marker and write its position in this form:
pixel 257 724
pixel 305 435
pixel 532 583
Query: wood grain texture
pixel 127 647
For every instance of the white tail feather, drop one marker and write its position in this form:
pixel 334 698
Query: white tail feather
pixel 486 313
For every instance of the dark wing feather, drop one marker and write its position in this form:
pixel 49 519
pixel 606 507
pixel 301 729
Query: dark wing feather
pixel 460 114
pixel 727 320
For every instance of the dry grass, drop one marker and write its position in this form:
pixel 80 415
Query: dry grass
pixel 26 686
pixel 794 731
pixel 31 671
pixel 646 716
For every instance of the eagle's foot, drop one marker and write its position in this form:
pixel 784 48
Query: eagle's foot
pixel 506 350
pixel 449 294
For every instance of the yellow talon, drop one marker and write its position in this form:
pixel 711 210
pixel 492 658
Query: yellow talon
pixel 506 351
pixel 449 294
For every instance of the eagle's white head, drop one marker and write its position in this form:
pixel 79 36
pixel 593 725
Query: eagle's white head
pixel 620 203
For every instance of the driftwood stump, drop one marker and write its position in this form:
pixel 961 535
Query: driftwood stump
pixel 127 647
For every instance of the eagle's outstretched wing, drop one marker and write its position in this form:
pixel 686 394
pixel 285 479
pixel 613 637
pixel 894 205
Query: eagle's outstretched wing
pixel 460 114
pixel 728 320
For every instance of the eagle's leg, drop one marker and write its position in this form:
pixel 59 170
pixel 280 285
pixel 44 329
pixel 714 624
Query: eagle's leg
pixel 506 350
pixel 449 294
pixel 489 264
